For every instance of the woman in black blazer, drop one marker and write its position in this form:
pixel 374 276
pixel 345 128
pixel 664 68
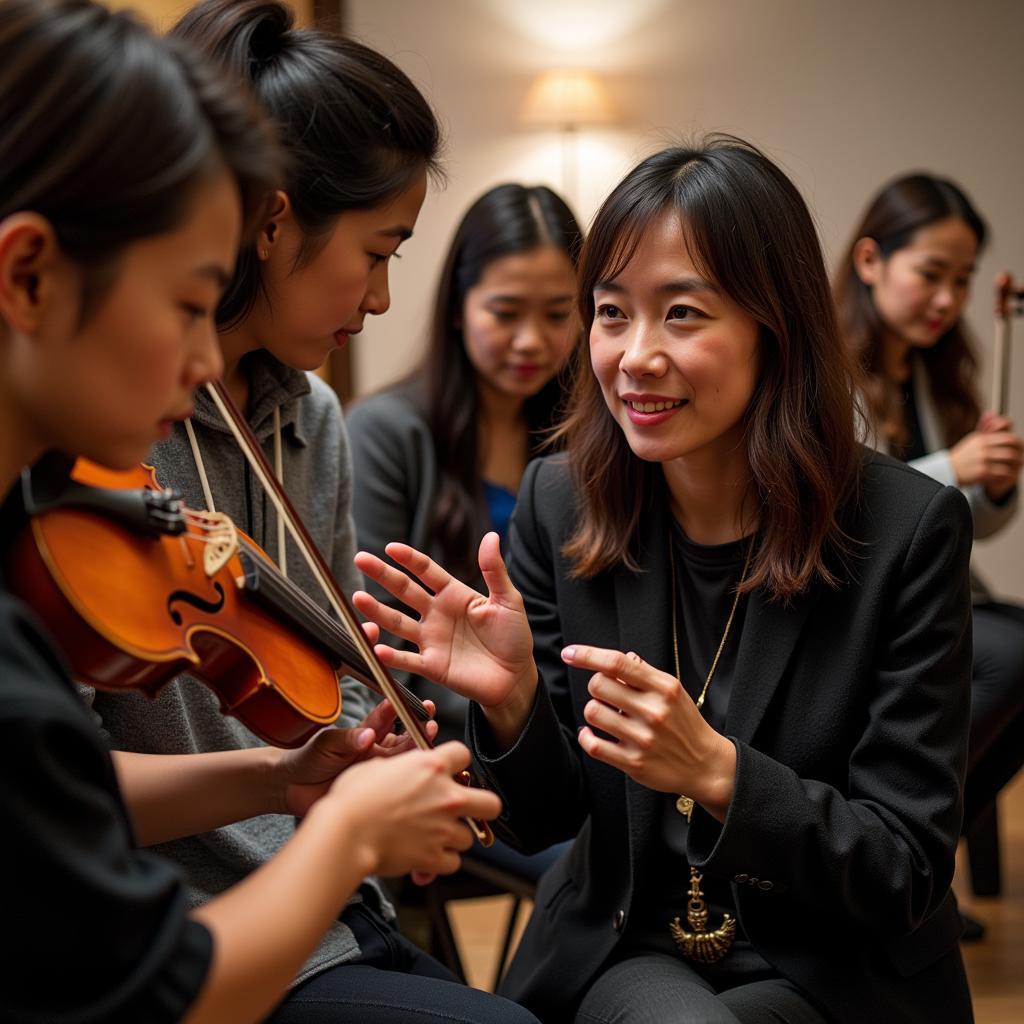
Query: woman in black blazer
pixel 773 839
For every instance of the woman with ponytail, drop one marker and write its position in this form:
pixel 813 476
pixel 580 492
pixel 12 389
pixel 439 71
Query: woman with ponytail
pixel 360 143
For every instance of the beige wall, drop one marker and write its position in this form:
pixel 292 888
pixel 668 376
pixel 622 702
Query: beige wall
pixel 163 13
pixel 844 95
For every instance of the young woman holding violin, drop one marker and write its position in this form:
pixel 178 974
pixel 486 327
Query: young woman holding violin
pixel 901 290
pixel 127 170
pixel 731 650
pixel 360 142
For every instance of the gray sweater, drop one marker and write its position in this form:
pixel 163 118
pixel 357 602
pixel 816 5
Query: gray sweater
pixel 185 718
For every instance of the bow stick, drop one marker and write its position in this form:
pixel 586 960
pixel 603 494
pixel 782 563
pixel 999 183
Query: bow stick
pixel 325 578
pixel 1009 303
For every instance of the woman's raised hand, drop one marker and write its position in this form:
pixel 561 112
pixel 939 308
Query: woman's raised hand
pixel 991 455
pixel 479 647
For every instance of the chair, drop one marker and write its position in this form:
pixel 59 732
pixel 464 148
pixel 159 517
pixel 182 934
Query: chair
pixel 993 771
pixel 477 878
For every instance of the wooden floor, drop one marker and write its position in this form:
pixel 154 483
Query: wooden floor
pixel 995 965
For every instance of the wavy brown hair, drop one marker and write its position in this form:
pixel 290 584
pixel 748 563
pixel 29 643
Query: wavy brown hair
pixel 749 231
pixel 901 209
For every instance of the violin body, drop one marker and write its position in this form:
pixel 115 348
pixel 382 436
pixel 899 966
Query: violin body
pixel 134 611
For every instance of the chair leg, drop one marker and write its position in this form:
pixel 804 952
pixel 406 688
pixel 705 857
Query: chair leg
pixel 983 852
pixel 444 946
pixel 506 945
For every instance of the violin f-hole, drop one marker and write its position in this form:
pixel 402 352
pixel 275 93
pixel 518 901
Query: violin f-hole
pixel 196 601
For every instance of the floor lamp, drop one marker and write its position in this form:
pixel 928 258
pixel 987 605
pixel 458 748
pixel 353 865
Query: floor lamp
pixel 568 100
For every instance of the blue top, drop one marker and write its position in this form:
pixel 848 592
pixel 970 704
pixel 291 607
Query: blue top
pixel 500 504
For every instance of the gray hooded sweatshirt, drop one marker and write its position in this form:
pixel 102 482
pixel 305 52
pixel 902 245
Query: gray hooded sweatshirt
pixel 185 718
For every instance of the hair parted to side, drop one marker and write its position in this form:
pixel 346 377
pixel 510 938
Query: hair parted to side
pixel 748 230
pixel 902 208
pixel 356 131
pixel 506 220
pixel 108 130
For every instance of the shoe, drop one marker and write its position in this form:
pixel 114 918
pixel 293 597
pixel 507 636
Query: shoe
pixel 974 930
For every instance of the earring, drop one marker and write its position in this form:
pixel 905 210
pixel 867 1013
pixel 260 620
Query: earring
pixel 264 254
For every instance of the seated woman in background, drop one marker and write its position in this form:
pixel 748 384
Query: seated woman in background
pixel 439 456
pixel 901 292
pixel 766 791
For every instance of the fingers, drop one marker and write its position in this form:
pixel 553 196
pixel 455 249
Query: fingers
pixel 372 631
pixel 395 582
pixel 381 720
pixel 492 568
pixel 420 565
pixel 345 742
pixel 605 750
pixel 454 756
pixel 404 661
pixel 390 619
pixel 628 667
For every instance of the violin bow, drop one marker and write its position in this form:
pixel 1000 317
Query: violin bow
pixel 325 578
pixel 1009 302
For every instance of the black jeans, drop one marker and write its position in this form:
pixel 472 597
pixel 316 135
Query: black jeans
pixel 393 982
pixel 996 749
pixel 655 987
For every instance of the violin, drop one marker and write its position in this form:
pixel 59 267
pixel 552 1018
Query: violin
pixel 1009 302
pixel 109 564
pixel 141 589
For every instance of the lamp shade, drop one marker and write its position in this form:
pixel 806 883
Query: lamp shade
pixel 567 99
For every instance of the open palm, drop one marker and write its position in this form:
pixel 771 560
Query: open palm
pixel 479 647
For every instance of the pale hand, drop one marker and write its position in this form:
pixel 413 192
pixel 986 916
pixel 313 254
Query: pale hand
pixel 659 738
pixel 991 455
pixel 407 811
pixel 479 647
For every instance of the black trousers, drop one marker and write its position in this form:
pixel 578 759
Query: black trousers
pixel 996 750
pixel 656 986
pixel 393 982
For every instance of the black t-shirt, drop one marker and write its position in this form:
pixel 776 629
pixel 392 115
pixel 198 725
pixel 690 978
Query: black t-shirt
pixel 706 578
pixel 93 928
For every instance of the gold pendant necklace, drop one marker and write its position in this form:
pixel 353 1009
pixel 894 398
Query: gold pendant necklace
pixel 704 946
pixel 700 944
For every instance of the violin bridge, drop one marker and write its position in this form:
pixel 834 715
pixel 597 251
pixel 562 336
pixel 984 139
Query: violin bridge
pixel 221 542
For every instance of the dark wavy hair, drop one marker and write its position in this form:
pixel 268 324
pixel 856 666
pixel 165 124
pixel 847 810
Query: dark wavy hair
pixel 356 131
pixel 107 131
pixel 506 220
pixel 892 218
pixel 749 231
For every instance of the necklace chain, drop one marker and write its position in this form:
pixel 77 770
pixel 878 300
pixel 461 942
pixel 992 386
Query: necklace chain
pixel 728 621
pixel 685 803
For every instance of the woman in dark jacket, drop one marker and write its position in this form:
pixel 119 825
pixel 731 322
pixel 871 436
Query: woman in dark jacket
pixel 767 787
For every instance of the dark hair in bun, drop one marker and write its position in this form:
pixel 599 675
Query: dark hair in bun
pixel 356 131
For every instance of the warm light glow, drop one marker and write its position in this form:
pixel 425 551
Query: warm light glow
pixel 567 99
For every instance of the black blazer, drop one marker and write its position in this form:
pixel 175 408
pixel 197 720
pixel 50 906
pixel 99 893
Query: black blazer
pixel 849 710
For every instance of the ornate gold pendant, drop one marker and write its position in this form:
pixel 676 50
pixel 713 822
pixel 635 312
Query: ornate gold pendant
pixel 701 945
pixel 684 805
